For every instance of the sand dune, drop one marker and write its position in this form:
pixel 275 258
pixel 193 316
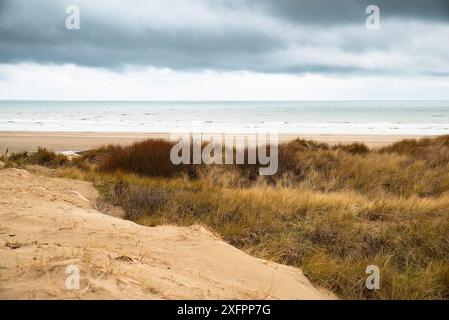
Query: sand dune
pixel 47 224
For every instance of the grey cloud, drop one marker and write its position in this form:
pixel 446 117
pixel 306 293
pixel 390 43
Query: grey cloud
pixel 27 36
pixel 352 11
pixel 112 48
pixel 35 32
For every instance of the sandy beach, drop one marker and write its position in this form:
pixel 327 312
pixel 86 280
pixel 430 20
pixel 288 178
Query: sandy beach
pixel 81 141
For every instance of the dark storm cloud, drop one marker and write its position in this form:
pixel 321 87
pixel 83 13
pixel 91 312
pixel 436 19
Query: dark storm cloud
pixel 288 36
pixel 100 46
pixel 40 35
pixel 352 11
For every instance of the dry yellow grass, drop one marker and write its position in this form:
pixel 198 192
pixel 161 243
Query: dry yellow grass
pixel 332 236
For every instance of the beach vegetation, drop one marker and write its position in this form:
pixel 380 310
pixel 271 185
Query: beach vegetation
pixel 330 210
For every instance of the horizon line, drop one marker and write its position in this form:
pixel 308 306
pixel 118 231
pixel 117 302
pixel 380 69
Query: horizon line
pixel 224 100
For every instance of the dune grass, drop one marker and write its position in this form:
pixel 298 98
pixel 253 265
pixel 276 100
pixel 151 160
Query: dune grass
pixel 332 236
pixel 330 210
pixel 41 157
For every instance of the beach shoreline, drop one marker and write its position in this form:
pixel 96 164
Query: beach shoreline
pixel 17 141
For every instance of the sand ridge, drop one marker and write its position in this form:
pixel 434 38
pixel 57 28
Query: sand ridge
pixel 47 224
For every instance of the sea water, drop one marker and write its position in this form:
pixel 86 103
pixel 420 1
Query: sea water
pixel 302 117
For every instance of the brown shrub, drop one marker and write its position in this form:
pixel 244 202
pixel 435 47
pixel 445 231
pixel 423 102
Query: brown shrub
pixel 149 157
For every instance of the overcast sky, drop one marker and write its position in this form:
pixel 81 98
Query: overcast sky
pixel 217 49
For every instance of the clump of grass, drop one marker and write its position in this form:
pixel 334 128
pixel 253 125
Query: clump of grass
pixel 18 156
pixel 137 201
pixel 353 148
pixel 47 158
pixel 435 151
pixel 42 157
pixel 96 156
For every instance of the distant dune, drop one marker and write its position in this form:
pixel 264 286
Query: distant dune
pixel 48 224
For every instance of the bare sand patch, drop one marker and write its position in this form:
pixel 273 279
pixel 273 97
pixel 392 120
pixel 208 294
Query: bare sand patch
pixel 48 223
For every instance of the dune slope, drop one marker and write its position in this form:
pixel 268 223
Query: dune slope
pixel 48 224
